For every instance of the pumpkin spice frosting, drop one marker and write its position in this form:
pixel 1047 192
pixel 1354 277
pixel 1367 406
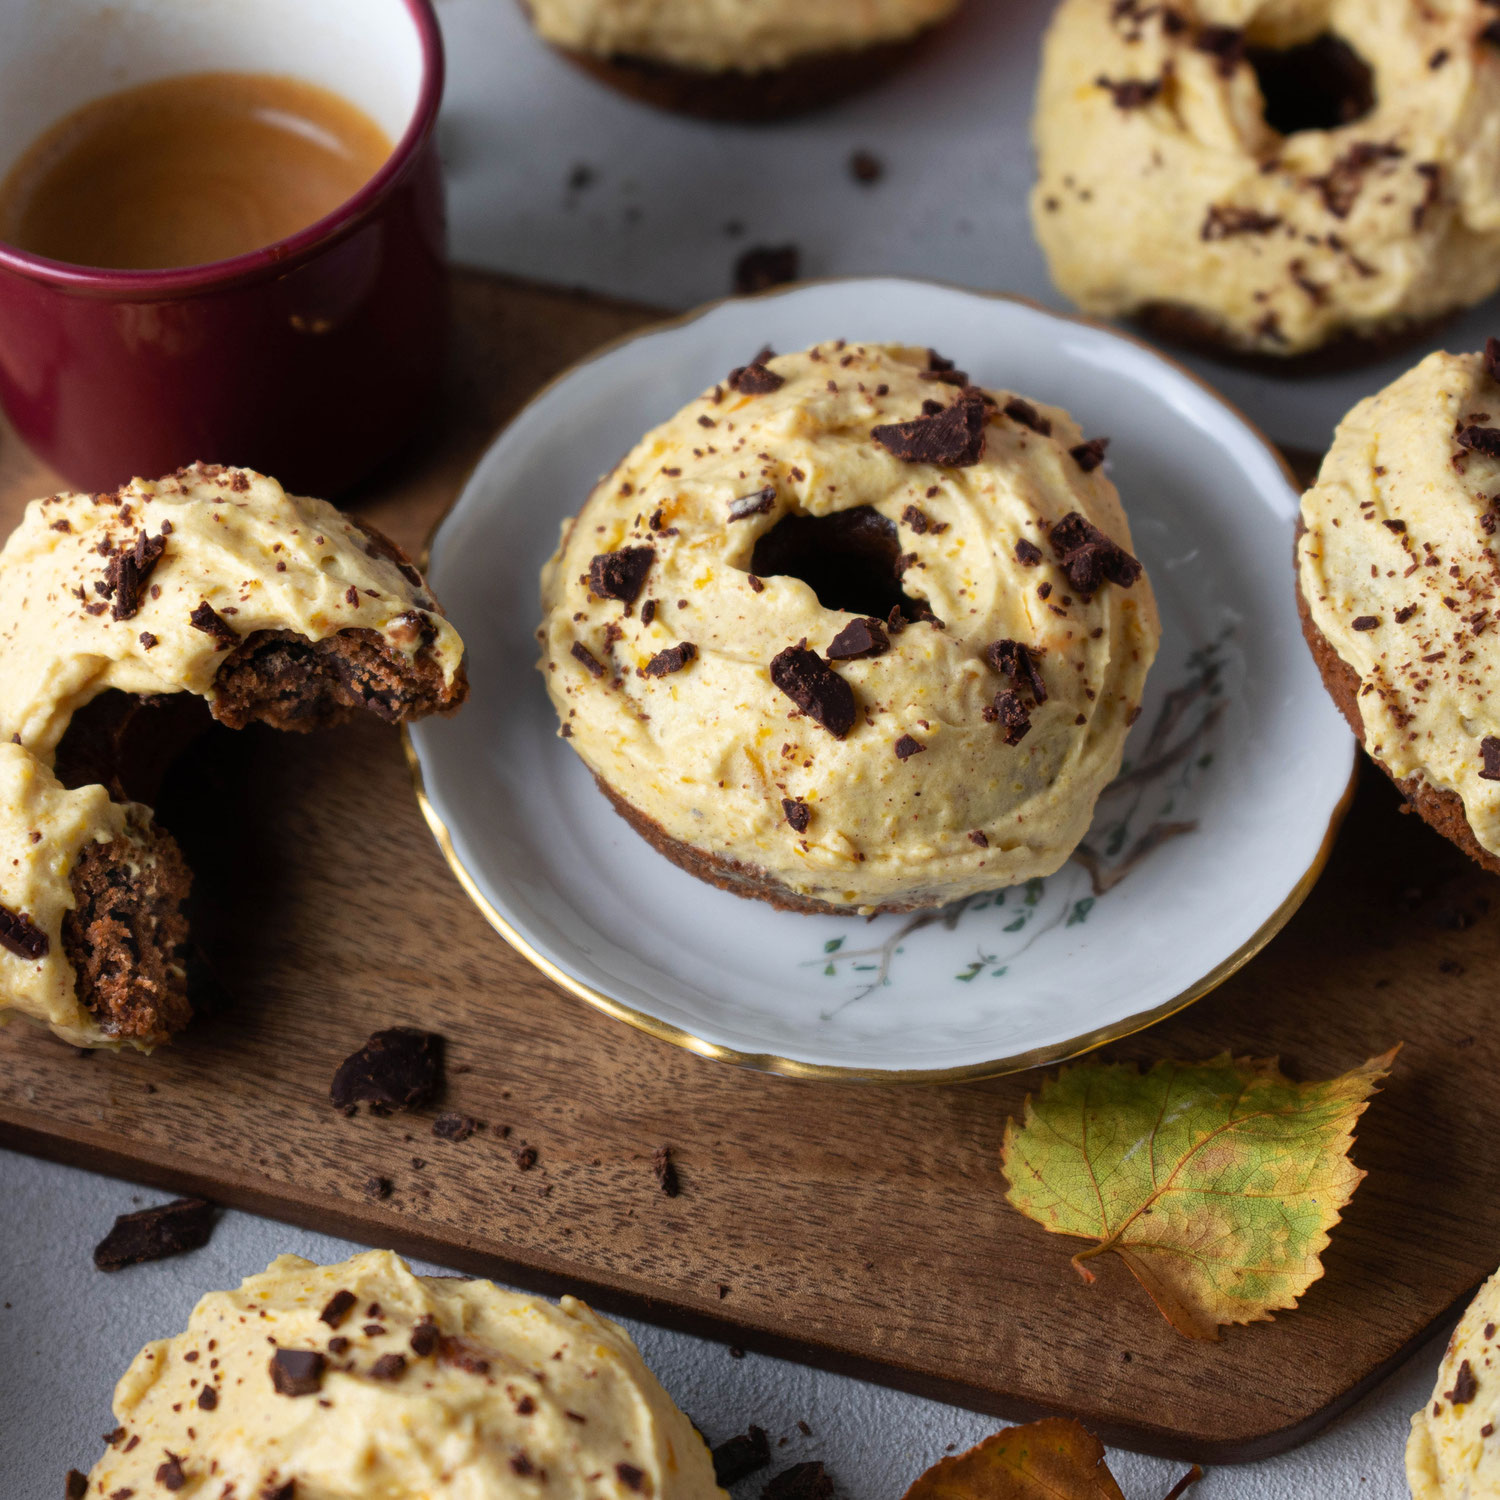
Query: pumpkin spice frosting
pixel 850 634
pixel 361 1381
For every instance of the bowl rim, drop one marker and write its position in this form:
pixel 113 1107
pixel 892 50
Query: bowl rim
pixel 790 1067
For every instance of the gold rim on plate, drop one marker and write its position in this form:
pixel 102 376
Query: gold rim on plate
pixel 790 1067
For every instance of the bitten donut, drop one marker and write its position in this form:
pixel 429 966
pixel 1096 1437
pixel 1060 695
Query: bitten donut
pixel 738 59
pixel 1453 1452
pixel 361 1381
pixel 849 634
pixel 1272 176
pixel 213 584
pixel 1397 584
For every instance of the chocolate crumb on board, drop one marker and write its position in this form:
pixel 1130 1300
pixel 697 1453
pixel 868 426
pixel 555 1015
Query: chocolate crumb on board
pixel 807 1481
pixel 859 639
pixel 621 575
pixel 452 1126
pixel 673 659
pixel 1027 415
pixel 815 688
pixel 297 1372
pixel 951 437
pixel 76 1485
pixel 1088 456
pixel 755 379
pixel 798 814
pixel 907 746
pixel 21 936
pixel 155 1233
pixel 764 266
pixel 666 1171
pixel 206 618
pixel 128 569
pixel 525 1158
pixel 337 1308
pixel 399 1068
pixel 741 1456
pixel 1088 557
pixel 377 1187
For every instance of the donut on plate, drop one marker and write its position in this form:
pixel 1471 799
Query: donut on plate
pixel 1396 581
pixel 1272 177
pixel 362 1380
pixel 849 634
pixel 738 59
pixel 211 587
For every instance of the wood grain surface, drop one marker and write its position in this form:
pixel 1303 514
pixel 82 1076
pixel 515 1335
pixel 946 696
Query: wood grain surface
pixel 858 1227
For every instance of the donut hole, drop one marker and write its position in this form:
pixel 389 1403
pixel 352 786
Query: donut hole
pixel 851 559
pixel 1317 85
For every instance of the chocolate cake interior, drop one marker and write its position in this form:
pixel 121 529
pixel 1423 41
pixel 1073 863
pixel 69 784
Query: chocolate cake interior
pixel 1319 85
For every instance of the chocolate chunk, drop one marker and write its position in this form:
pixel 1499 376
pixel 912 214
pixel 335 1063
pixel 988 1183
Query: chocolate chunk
pixel 581 653
pixel 815 688
pixel 1088 557
pixel 859 639
pixel 978 837
pixel 1130 93
pixel 170 1475
pixel 76 1486
pixel 800 1482
pixel 129 568
pixel 400 1068
pixel 1013 716
pixel 865 167
pixel 1489 751
pixel 1018 665
pixel 1028 554
pixel 388 1367
pixel 337 1308
pixel 1088 456
pixel 765 266
pixel 739 1457
pixel 205 618
pixel 798 814
pixel 424 1338
pixel 1484 440
pixel 1492 358
pixel 462 1355
pixel 666 1171
pixel 1365 622
pixel 297 1372
pixel 755 379
pixel 1027 415
pixel 155 1233
pixel 952 437
pixel 1225 220
pixel 673 659
pixel 915 517
pixel 621 575
pixel 906 747
pixel 631 1477
pixel 21 936
pixel 452 1126
pixel 1465 1386
pixel 208 1398
pixel 755 504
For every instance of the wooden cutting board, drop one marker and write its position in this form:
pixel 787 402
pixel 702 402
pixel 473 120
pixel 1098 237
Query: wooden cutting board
pixel 858 1227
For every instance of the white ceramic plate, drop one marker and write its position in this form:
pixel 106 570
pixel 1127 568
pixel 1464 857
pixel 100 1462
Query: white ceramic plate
pixel 1235 775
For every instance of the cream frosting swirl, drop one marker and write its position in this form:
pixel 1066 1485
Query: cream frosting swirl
pixel 745 35
pixel 1399 571
pixel 1160 181
pixel 923 801
pixel 1453 1452
pixel 362 1381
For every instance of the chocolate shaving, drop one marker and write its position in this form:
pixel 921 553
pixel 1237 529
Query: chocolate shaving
pixel 756 504
pixel 297 1372
pixel 859 639
pixel 1088 557
pixel 906 747
pixel 337 1308
pixel 798 814
pixel 400 1068
pixel 673 659
pixel 155 1233
pixel 1489 753
pixel 129 568
pixel 621 575
pixel 1018 665
pixel 1088 456
pixel 21 936
pixel 666 1171
pixel 741 1456
pixel 953 437
pixel 452 1126
pixel 815 688
pixel 207 619
pixel 1027 415
pixel 1485 440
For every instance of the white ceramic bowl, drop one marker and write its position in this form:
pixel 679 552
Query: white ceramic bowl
pixel 1236 773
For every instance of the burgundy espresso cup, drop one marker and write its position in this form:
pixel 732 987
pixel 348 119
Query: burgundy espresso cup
pixel 309 359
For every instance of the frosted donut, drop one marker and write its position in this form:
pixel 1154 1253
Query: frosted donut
pixel 849 634
pixel 213 584
pixel 1271 175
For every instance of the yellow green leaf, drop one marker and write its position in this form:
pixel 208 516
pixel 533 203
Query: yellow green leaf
pixel 1215 1182
pixel 1055 1459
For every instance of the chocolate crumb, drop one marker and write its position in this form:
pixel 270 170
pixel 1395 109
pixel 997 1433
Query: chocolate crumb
pixel 399 1068
pixel 1465 1386
pixel 424 1338
pixel 754 504
pixel 525 1158
pixel 1027 415
pixel 1089 455
pixel 907 746
pixel 388 1367
pixel 581 653
pixel 208 1398
pixel 798 814
pixel 978 837
pixel 1028 554
pixel 1011 714
pixel 207 619
pixel 621 575
pixel 155 1233
pixel 1365 622
pixel 815 688
pixel 1485 440
pixel 377 1187
pixel 631 1477
pixel 1018 664
pixel 337 1308
pixel 756 586
pixel 741 1456
pixel 170 1475
pixel 764 266
pixel 297 1372
pixel 755 379
pixel 673 659
pixel 666 1171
